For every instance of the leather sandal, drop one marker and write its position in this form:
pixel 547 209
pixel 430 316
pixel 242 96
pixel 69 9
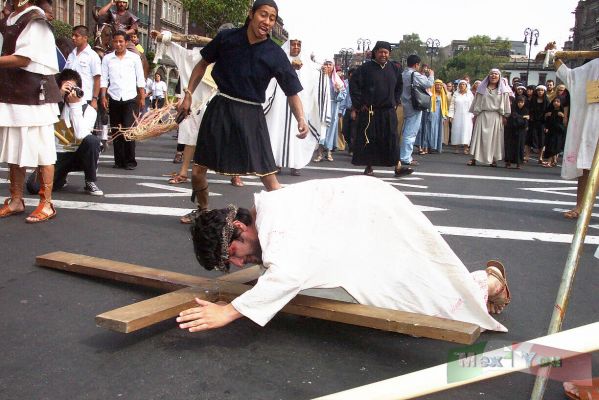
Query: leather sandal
pixel 571 214
pixel 40 215
pixel 368 171
pixel 236 181
pixel 585 389
pixel 471 163
pixel 177 179
pixel 502 299
pixel 5 211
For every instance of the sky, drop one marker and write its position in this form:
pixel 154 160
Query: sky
pixel 325 26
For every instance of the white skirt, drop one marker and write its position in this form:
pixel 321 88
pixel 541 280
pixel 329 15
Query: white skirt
pixel 28 146
pixel 188 129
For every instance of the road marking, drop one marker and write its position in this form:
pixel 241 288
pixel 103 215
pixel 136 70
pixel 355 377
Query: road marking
pixel 135 209
pixel 444 230
pixel 513 235
pixel 489 198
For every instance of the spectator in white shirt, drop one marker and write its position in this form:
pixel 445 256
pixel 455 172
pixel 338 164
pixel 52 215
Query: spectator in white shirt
pixel 158 91
pixel 88 65
pixel 122 92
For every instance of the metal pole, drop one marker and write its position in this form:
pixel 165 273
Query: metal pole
pixel 563 295
pixel 528 63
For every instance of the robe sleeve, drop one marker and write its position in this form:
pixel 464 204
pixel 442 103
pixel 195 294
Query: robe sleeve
pixel 451 111
pixel 355 89
pixel 274 289
pixel 36 42
pixel 398 87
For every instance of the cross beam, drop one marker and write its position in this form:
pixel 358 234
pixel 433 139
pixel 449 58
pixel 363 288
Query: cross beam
pixel 184 288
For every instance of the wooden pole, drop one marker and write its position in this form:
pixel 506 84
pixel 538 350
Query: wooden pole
pixel 178 37
pixel 565 289
pixel 569 55
pixel 575 341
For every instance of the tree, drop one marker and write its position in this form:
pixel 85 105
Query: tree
pixel 477 59
pixel 408 45
pixel 211 14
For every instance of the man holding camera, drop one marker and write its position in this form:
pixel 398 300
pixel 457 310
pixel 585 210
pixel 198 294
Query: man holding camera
pixel 84 153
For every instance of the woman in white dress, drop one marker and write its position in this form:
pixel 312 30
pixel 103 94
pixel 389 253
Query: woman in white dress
pixel 460 116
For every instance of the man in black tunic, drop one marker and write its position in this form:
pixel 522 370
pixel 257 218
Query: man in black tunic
pixel 233 137
pixel 375 90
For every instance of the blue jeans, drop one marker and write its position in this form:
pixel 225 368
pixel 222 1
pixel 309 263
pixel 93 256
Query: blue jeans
pixel 410 131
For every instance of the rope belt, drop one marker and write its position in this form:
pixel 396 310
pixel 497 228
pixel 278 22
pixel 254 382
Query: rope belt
pixel 370 114
pixel 253 103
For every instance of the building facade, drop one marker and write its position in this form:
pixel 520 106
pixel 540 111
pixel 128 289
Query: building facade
pixel 585 34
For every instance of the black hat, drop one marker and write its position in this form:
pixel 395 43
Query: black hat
pixel 259 3
pixel 381 45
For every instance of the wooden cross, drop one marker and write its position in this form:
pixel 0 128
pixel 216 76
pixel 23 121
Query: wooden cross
pixel 183 289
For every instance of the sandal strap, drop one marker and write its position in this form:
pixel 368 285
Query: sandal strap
pixel 498 299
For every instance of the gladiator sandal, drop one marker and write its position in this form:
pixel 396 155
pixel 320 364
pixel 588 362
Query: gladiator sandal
pixel 41 213
pixel 201 196
pixel 318 157
pixel 17 182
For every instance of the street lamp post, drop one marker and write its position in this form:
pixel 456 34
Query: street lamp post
pixel 347 54
pixel 432 48
pixel 529 34
pixel 365 43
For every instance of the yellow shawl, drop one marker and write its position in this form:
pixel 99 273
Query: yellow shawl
pixel 443 95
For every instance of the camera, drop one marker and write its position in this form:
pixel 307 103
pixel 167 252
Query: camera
pixel 78 91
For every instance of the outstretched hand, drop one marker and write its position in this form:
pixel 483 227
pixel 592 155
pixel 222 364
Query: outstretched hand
pixel 207 316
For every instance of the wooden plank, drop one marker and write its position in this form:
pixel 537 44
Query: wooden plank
pixel 149 312
pixel 566 344
pixel 140 315
pixel 135 274
pixel 371 317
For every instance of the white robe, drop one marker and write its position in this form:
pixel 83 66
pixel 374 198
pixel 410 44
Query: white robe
pixel 186 60
pixel 583 124
pixel 459 110
pixel 288 150
pixel 388 253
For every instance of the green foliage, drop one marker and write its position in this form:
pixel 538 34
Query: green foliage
pixel 482 55
pixel 210 14
pixel 62 29
pixel 408 45
pixel 150 57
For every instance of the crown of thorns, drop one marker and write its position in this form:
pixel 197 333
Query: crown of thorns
pixel 227 234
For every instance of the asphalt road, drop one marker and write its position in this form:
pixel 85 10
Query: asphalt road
pixel 50 347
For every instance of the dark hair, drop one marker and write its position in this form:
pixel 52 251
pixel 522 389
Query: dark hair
pixel 123 34
pixel 550 80
pixel 413 60
pixel 207 231
pixel 68 75
pixel 81 29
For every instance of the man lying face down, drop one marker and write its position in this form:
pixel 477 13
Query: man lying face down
pixel 357 233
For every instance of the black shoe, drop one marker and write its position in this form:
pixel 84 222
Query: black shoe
pixel 118 166
pixel 130 167
pixel 403 171
pixel 295 172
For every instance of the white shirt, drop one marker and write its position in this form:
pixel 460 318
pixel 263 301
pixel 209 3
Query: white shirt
pixel 88 64
pixel 122 76
pixel 158 89
pixel 393 256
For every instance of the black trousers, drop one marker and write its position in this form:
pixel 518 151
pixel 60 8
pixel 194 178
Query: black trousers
pixel 158 102
pixel 84 159
pixel 122 115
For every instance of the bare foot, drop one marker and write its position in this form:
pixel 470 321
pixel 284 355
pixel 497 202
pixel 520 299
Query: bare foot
pixel 572 214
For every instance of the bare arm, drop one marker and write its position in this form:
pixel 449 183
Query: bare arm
pixel 102 11
pixel 14 61
pixel 133 29
pixel 298 112
pixel 194 80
